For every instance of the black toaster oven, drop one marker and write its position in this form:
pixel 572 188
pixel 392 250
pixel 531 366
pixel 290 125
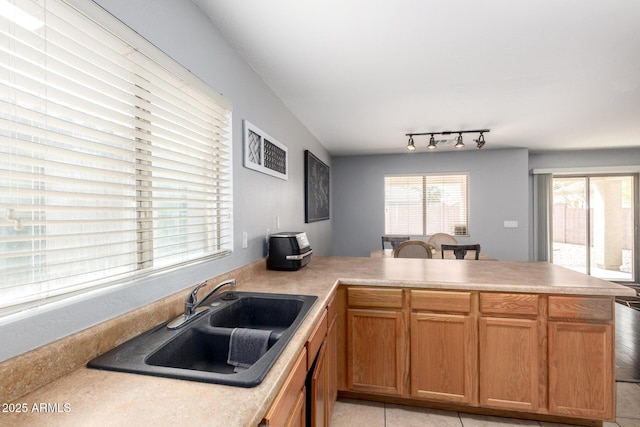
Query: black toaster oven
pixel 288 250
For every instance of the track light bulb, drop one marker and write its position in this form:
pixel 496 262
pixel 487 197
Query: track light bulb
pixel 459 143
pixel 480 141
pixel 410 144
pixel 432 143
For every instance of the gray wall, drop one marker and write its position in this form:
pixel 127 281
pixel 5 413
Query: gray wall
pixel 188 36
pixel 498 192
pixel 181 31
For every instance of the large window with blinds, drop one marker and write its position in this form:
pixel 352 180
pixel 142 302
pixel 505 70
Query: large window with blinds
pixel 426 204
pixel 114 160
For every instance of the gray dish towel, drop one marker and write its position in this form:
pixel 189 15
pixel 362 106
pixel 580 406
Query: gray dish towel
pixel 246 346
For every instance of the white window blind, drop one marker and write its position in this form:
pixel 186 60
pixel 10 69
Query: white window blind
pixel 426 204
pixel 114 160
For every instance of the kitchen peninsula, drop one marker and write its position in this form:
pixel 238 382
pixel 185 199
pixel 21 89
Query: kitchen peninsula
pixel 516 321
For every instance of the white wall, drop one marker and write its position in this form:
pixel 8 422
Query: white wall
pixel 586 159
pixel 498 191
pixel 184 33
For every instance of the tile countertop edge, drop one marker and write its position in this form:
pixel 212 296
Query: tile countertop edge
pixel 319 278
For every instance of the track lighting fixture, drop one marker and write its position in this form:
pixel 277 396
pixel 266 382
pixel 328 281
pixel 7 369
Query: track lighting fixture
pixel 433 144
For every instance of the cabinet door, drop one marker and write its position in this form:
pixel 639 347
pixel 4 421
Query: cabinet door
pixel 581 369
pixel 332 368
pixel 375 351
pixel 442 357
pixel 319 390
pixel 298 415
pixel 286 408
pixel 508 363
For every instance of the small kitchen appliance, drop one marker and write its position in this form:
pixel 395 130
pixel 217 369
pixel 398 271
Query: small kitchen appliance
pixel 288 250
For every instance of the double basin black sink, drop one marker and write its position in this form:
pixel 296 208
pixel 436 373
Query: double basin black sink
pixel 198 351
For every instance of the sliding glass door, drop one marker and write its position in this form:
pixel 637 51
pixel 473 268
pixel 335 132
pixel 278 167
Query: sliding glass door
pixel 593 223
pixel 569 228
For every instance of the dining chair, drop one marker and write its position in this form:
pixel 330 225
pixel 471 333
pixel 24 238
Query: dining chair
pixel 394 240
pixel 437 239
pixel 412 249
pixel 460 251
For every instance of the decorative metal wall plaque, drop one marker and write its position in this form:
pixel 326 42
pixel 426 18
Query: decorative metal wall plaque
pixel 263 153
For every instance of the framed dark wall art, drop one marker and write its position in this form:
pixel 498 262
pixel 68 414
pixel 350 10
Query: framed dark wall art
pixel 316 188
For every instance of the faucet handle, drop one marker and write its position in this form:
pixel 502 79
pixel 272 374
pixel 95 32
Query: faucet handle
pixel 192 299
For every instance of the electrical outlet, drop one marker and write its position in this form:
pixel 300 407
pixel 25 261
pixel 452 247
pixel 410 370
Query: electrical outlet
pixel 245 240
pixel 511 224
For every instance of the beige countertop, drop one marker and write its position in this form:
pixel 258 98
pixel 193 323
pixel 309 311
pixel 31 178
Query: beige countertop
pixel 90 397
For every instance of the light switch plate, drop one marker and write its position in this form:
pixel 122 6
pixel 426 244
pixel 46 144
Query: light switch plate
pixel 511 224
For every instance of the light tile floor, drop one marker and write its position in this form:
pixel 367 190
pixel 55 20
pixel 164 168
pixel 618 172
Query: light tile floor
pixel 349 413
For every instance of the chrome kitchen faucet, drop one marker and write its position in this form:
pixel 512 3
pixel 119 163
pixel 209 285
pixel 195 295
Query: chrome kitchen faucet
pixel 191 304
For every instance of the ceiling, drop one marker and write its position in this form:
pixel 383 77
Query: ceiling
pixel 360 74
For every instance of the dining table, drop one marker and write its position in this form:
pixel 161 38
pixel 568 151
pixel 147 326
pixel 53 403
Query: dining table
pixel 388 253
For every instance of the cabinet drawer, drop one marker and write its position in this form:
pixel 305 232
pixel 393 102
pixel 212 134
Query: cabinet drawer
pixel 332 309
pixel 458 302
pixel 374 297
pixel 287 399
pixel 316 339
pixel 511 304
pixel 581 308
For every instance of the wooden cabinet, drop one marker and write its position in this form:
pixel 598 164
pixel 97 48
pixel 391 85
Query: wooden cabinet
pixel 298 416
pixel 551 355
pixel 508 363
pixel 319 390
pixel 509 351
pixel 581 349
pixel 289 406
pixel 376 341
pixel 443 346
pixel 332 359
pixel 316 339
pixel 311 389
pixel 323 382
